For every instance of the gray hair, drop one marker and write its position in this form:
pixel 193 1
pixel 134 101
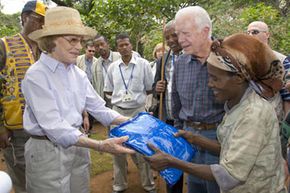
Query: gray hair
pixel 198 15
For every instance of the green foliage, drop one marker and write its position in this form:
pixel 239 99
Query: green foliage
pixel 150 40
pixel 234 16
pixel 260 12
pixel 278 25
pixel 9 24
pixel 136 17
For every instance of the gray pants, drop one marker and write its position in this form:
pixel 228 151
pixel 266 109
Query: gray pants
pixel 14 158
pixel 120 162
pixel 53 169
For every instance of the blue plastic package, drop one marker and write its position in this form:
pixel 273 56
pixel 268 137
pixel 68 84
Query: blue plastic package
pixel 144 129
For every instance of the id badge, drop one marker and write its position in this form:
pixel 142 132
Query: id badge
pixel 127 97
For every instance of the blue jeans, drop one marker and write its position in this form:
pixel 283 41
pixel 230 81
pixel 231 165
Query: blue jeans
pixel 197 185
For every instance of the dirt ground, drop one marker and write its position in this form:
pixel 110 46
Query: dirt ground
pixel 102 183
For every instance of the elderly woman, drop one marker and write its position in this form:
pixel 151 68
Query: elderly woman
pixel 56 94
pixel 242 73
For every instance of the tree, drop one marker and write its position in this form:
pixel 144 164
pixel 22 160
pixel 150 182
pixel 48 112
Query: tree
pixel 142 19
pixel 10 24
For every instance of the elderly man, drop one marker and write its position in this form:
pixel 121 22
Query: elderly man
pixel 56 93
pixel 193 105
pixel 17 54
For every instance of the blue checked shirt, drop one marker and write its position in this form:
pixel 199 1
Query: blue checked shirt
pixel 192 99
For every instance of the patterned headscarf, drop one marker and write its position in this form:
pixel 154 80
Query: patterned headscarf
pixel 252 59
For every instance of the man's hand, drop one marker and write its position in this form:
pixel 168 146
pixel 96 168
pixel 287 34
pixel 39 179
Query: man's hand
pixel 114 146
pixel 189 136
pixel 160 86
pixel 158 161
pixel 86 124
pixel 4 139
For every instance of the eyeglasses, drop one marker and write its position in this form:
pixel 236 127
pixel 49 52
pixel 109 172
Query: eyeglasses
pixel 254 32
pixel 72 41
pixel 91 51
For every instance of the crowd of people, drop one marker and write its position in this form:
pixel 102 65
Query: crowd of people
pixel 225 96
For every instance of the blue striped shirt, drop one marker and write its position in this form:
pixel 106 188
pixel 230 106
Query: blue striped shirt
pixel 192 99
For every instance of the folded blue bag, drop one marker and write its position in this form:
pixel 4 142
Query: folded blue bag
pixel 144 129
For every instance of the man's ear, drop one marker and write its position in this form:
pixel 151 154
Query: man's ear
pixel 24 17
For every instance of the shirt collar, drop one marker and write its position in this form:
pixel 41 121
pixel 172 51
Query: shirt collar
pixel 179 53
pixel 133 61
pixel 52 63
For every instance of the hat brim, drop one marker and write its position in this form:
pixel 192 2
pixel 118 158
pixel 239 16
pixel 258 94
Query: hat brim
pixel 63 30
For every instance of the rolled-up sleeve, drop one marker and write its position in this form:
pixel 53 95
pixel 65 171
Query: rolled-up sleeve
pixel 225 181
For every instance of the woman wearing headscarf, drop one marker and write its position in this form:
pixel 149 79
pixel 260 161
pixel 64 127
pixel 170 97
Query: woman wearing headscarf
pixel 243 73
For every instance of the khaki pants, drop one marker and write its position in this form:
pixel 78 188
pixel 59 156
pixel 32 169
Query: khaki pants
pixel 53 169
pixel 120 162
pixel 14 158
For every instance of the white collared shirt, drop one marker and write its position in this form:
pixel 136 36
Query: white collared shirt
pixel 141 82
pixel 55 98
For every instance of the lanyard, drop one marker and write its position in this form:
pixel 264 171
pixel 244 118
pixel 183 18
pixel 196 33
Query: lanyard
pixel 131 77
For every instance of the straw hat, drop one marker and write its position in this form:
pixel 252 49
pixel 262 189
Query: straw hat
pixel 62 21
pixel 253 59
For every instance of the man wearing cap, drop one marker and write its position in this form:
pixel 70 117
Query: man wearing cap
pixel 56 93
pixel 17 54
pixel 248 139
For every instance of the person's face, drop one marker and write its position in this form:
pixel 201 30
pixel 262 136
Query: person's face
pixel 124 47
pixel 67 49
pixel 172 39
pixel 190 38
pixel 90 52
pixel 223 84
pixel 32 22
pixel 258 32
pixel 102 47
pixel 159 53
